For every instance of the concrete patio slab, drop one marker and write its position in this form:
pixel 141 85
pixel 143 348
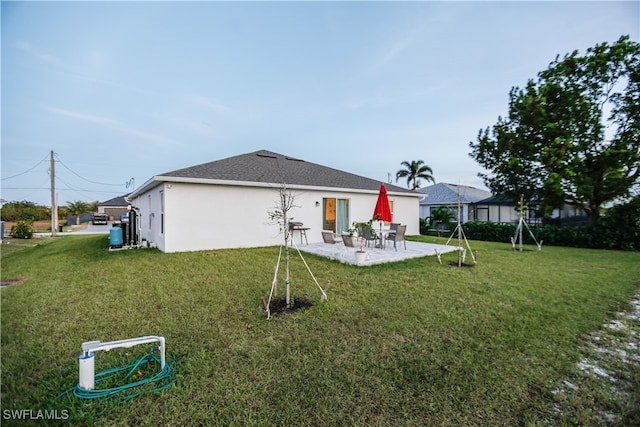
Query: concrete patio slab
pixel 339 252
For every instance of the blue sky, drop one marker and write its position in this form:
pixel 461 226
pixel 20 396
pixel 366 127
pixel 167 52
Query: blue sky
pixel 122 90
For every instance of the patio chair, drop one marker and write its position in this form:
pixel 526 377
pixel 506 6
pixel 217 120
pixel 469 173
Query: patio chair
pixel 348 241
pixel 393 227
pixel 330 237
pixel 369 237
pixel 398 236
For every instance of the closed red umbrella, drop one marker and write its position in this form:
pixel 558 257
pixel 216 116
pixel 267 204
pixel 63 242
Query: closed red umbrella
pixel 382 206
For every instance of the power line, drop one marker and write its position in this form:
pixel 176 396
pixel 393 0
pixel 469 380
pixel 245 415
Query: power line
pixel 67 185
pixel 63 188
pixel 81 177
pixel 26 188
pixel 80 191
pixel 27 171
pixel 71 186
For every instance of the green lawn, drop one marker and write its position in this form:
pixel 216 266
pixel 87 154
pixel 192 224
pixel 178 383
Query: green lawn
pixel 409 343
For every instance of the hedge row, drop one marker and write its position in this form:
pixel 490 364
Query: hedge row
pixel 618 229
pixel 594 237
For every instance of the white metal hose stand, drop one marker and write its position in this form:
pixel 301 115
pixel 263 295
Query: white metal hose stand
pixel 86 359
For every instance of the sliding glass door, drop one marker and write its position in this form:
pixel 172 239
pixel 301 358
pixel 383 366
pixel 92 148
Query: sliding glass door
pixel 335 215
pixel 342 216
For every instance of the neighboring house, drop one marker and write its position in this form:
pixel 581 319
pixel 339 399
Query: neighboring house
pixel 496 209
pixel 115 207
pixel 480 205
pixel 225 203
pixel 450 196
pixel 570 215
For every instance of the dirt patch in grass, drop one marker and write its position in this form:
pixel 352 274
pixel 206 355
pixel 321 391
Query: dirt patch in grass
pixel 464 264
pixel 9 282
pixel 603 391
pixel 278 306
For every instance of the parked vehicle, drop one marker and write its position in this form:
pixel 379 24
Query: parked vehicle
pixel 99 219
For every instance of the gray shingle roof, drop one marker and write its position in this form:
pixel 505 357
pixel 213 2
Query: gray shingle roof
pixel 497 200
pixel 269 167
pixel 442 193
pixel 116 201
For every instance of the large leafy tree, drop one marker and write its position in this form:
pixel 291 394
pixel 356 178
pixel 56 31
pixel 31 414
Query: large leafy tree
pixel 572 136
pixel 414 171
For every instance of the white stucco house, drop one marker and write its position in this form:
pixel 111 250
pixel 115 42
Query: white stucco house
pixel 225 203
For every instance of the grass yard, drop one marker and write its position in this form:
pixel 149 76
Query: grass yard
pixel 406 344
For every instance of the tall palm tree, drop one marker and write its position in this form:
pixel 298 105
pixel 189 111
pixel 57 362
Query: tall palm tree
pixel 77 208
pixel 413 172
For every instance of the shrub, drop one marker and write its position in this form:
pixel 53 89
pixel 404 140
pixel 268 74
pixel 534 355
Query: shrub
pixel 22 230
pixel 441 219
pixel 621 224
pixel 424 226
pixel 489 231
pixel 574 236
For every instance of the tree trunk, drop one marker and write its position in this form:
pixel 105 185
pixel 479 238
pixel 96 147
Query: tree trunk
pixel 593 214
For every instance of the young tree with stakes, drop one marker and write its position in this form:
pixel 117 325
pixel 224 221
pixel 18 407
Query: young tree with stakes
pixel 281 217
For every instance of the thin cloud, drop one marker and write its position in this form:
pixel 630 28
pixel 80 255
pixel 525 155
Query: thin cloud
pixel 195 126
pixel 355 102
pixel 43 56
pixel 410 33
pixel 394 50
pixel 113 125
pixel 211 104
pixel 56 62
pixel 105 121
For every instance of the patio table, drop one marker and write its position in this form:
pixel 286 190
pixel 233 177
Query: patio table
pixel 303 232
pixel 383 233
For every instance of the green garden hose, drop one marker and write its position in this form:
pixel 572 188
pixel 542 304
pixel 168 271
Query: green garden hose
pixel 129 388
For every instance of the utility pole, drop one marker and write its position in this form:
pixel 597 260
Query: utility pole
pixel 54 207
